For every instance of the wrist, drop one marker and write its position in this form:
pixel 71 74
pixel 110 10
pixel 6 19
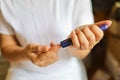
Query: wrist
pixel 80 54
pixel 24 52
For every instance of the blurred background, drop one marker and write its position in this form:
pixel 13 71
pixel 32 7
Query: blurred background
pixel 103 62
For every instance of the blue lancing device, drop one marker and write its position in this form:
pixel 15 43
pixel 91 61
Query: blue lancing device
pixel 68 41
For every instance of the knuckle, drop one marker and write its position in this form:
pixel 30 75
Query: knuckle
pixel 93 26
pixel 91 38
pixel 100 35
pixel 84 45
pixel 84 28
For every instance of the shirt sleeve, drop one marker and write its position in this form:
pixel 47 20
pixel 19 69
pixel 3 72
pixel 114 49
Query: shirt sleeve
pixel 5 28
pixel 82 13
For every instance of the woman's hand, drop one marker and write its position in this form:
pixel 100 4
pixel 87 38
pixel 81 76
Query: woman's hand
pixel 84 38
pixel 42 55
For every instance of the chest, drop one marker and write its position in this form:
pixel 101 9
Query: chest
pixel 41 20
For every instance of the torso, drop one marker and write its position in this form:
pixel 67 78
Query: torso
pixel 41 21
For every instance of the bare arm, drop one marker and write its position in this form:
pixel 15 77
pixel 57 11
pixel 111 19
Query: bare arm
pixel 10 48
pixel 39 54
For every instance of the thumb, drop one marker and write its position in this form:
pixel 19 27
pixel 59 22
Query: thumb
pixel 105 22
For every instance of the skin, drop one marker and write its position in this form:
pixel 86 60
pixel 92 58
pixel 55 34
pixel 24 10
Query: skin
pixel 84 39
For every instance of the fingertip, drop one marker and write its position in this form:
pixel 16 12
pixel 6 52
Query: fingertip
pixel 55 48
pixel 58 46
pixel 109 22
pixel 73 32
pixel 52 44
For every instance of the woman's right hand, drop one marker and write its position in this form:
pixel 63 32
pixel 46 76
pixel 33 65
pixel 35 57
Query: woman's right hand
pixel 42 55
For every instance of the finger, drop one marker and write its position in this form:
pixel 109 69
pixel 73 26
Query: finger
pixel 74 39
pixel 38 48
pixel 33 47
pixel 55 47
pixel 43 48
pixel 105 22
pixel 89 35
pixel 97 32
pixel 52 44
pixel 84 44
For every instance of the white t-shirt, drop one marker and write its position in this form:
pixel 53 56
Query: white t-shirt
pixel 43 21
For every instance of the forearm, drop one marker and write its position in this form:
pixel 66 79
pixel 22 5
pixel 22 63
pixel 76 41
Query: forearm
pixel 13 53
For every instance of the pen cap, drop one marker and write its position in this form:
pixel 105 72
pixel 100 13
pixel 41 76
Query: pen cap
pixel 66 42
